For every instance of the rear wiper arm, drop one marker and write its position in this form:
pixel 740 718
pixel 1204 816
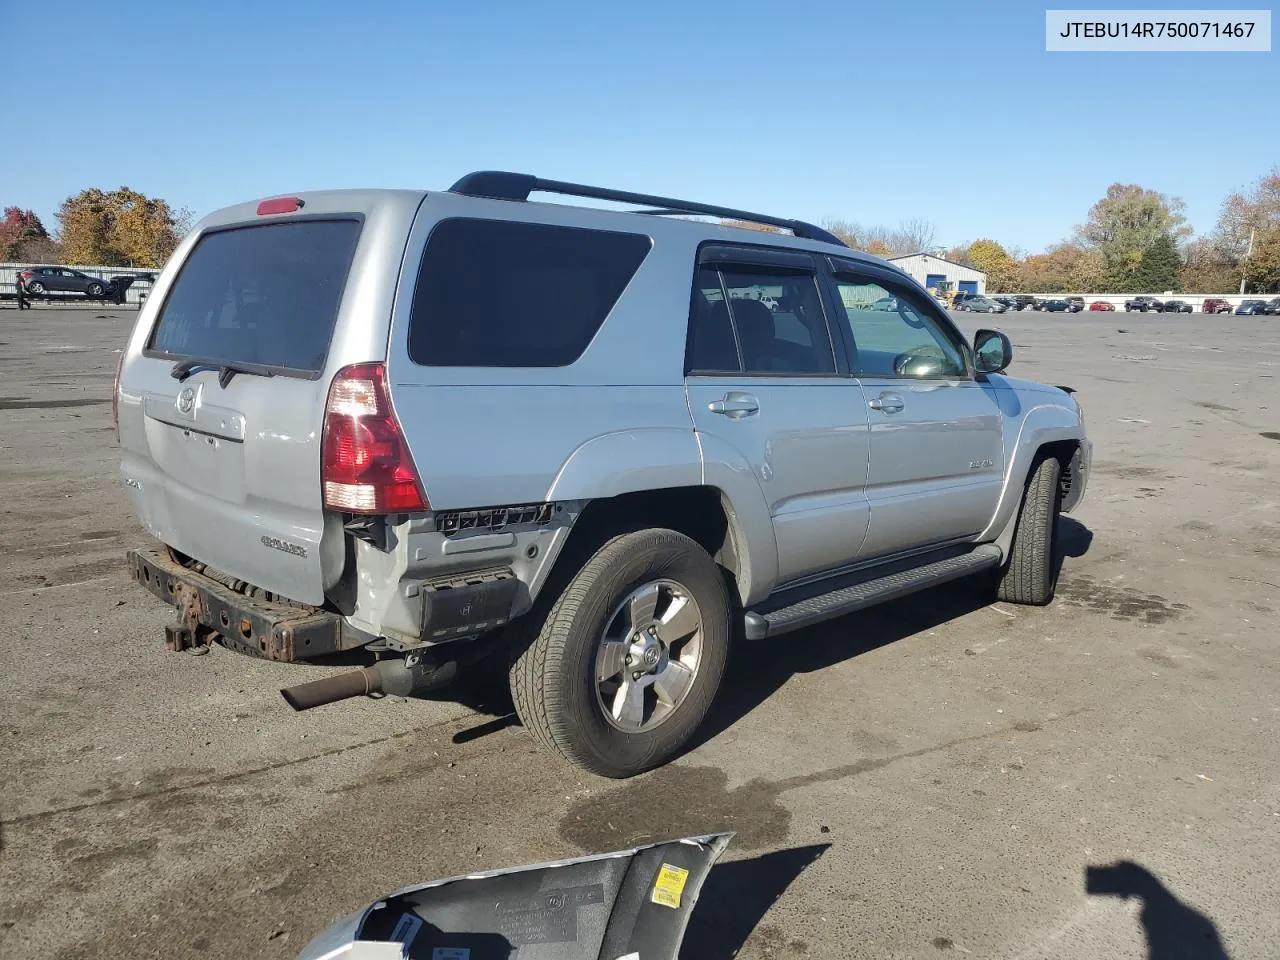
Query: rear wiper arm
pixel 228 370
pixel 184 368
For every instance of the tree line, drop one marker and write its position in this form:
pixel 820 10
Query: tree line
pixel 1133 240
pixel 116 228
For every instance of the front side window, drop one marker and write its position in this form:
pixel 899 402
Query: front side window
pixel 893 337
pixel 758 321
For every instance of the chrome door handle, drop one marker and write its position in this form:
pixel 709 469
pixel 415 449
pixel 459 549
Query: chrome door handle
pixel 734 407
pixel 887 403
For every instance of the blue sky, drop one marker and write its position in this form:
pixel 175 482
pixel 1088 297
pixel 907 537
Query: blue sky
pixel 874 112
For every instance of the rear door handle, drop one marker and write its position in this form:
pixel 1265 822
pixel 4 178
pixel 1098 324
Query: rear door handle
pixel 887 403
pixel 735 406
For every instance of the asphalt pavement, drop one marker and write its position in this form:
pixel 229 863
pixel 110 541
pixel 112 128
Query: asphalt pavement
pixel 1097 778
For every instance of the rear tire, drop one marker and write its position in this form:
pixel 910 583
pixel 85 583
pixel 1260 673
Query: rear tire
pixel 555 676
pixel 1031 573
pixel 35 289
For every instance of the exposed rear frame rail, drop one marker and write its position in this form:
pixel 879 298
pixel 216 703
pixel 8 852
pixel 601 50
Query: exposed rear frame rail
pixel 502 185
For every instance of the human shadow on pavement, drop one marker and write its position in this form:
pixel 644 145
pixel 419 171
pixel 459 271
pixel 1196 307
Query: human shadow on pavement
pixel 1174 930
pixel 737 895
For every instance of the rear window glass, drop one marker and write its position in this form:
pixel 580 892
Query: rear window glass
pixel 264 294
pixel 493 293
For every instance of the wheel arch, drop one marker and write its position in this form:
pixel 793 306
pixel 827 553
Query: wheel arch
pixel 1048 430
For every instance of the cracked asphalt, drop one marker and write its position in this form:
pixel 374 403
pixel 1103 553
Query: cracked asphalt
pixel 931 778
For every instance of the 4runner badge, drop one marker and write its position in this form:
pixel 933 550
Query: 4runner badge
pixel 284 546
pixel 186 400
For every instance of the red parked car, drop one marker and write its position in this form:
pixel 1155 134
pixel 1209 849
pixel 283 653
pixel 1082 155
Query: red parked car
pixel 1102 305
pixel 1215 305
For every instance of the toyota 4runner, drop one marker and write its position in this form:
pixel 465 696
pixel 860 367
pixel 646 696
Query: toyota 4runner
pixel 440 425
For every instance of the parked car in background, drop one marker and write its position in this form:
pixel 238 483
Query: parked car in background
pixel 982 305
pixel 1215 305
pixel 1176 306
pixel 1024 301
pixel 1055 306
pixel 1273 306
pixel 44 280
pixel 1102 305
pixel 1252 308
pixel 1144 304
pixel 1075 303
pixel 960 297
pixel 1009 303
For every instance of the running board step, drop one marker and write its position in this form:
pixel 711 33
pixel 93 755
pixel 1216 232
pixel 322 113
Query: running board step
pixel 868 593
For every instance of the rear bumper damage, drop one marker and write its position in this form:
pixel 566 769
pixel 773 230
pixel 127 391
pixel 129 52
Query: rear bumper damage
pixel 272 631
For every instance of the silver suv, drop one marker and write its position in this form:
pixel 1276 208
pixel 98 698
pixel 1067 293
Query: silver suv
pixel 439 426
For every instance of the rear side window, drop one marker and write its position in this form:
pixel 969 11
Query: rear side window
pixel 772 324
pixel 264 294
pixel 493 293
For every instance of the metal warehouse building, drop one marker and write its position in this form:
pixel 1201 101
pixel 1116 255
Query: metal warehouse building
pixel 940 275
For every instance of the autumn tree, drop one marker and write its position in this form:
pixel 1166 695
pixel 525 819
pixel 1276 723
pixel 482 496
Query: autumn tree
pixel 1207 268
pixel 18 228
pixel 1262 269
pixel 750 225
pixel 1256 209
pixel 1063 268
pixel 909 236
pixel 993 260
pixel 1125 225
pixel 119 228
pixel 847 232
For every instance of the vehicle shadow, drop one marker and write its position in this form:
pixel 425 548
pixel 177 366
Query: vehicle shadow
pixel 757 669
pixel 737 895
pixel 1174 930
pixel 1074 540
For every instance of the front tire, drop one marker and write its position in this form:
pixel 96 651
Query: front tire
pixel 627 661
pixel 94 291
pixel 1030 576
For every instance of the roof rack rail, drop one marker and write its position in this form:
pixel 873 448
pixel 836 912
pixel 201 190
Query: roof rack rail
pixel 500 185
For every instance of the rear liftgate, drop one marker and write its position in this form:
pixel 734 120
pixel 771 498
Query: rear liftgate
pixel 630 905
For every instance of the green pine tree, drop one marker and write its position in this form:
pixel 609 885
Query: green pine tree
pixel 1158 269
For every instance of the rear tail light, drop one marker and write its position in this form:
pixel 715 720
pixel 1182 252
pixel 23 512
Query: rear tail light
pixel 115 395
pixel 365 465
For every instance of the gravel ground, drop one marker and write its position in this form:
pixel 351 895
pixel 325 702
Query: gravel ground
pixel 936 775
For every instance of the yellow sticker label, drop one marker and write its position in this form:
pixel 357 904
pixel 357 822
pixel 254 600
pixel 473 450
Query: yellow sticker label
pixel 669 886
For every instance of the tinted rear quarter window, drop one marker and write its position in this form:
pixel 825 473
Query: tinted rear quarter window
pixel 264 294
pixel 493 293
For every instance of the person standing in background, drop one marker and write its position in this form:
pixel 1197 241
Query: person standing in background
pixel 23 302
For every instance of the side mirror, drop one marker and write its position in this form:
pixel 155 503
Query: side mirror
pixel 992 351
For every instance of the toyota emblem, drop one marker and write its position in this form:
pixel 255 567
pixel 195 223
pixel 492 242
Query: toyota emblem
pixel 186 400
